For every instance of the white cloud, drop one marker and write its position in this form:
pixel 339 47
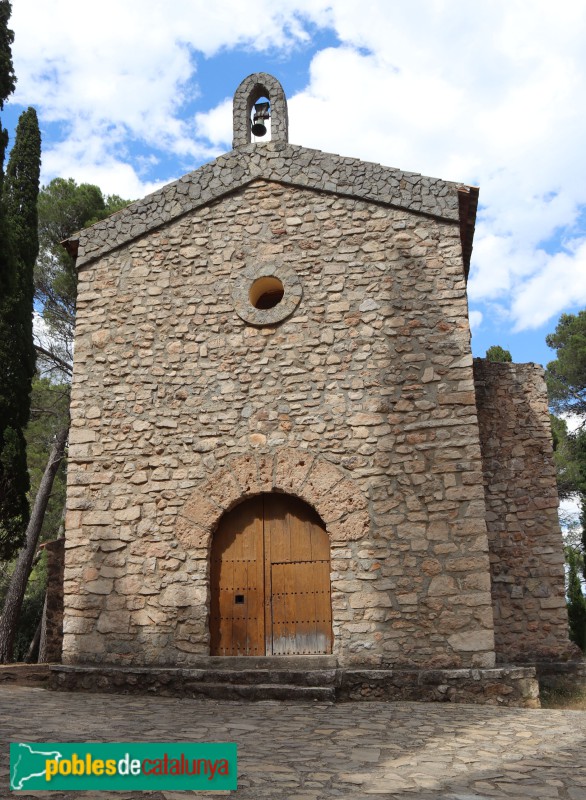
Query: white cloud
pixel 88 159
pixel 573 422
pixel 121 71
pixel 216 125
pixel 40 331
pixel 569 510
pixel 490 274
pixel 561 283
pixel 132 62
pixel 480 93
pixel 475 318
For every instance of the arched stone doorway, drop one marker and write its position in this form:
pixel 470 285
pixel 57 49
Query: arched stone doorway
pixel 270 580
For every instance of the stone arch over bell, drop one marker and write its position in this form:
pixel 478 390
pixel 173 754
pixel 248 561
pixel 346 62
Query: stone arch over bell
pixel 252 88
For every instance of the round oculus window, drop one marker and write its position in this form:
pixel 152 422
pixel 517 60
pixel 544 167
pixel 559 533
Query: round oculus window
pixel 266 295
pixel 266 292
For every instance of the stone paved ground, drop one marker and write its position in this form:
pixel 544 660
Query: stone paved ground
pixel 313 752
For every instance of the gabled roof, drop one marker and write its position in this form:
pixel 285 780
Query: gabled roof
pixel 286 164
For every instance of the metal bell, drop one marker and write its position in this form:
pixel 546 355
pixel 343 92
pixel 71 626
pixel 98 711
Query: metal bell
pixel 261 112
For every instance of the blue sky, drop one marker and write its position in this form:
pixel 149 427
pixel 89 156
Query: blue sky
pixel 134 93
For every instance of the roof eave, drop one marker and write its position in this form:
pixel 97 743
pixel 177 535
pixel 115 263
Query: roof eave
pixel 468 203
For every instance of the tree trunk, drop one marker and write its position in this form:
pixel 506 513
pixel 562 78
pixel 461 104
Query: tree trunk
pixel 42 654
pixel 20 576
pixel 33 650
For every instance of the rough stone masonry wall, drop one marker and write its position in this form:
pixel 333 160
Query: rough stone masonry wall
pixel 52 634
pixel 173 394
pixel 275 161
pixel 526 552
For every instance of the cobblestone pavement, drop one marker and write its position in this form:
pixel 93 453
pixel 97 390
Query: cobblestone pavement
pixel 319 751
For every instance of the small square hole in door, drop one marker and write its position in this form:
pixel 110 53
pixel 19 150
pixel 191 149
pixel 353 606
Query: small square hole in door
pixel 239 599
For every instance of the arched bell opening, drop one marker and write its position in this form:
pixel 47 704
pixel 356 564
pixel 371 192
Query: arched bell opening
pixel 260 111
pixel 270 580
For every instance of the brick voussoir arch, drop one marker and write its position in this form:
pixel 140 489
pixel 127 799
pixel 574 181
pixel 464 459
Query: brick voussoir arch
pixel 337 499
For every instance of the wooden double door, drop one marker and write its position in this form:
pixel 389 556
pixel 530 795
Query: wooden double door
pixel 270 580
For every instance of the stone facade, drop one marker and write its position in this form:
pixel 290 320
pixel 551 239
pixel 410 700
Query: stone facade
pixel 357 395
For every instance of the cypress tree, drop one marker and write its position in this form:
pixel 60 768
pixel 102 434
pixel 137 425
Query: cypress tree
pixel 19 190
pixel 7 83
pixel 7 76
pixel 13 503
pixel 17 354
pixel 21 193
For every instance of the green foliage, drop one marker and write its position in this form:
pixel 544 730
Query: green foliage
pixel 32 606
pixel 564 694
pixel 576 600
pixel 13 475
pixel 566 383
pixel 7 76
pixel 498 354
pixel 569 452
pixel 14 485
pixel 583 536
pixel 21 191
pixel 49 414
pixel 17 356
pixel 64 208
pixel 566 376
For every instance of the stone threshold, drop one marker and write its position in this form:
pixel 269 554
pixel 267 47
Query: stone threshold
pixel 301 678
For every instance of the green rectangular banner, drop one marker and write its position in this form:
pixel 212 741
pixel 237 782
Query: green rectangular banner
pixel 119 766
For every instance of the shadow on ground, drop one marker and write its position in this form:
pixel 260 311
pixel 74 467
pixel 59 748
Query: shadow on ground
pixel 322 751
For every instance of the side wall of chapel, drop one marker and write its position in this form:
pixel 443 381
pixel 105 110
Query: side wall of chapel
pixel 525 541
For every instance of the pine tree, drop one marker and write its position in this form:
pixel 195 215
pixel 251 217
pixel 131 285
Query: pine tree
pixel 566 376
pixel 566 384
pixel 576 601
pixel 64 207
pixel 498 354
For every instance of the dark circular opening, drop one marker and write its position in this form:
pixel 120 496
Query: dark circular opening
pixel 266 293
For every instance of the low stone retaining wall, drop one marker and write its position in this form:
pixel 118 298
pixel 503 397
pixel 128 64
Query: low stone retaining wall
pixel 506 686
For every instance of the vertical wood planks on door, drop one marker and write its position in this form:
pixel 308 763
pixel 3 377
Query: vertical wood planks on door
pixel 270 580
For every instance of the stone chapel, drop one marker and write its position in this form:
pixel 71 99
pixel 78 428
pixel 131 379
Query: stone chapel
pixel 282 451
